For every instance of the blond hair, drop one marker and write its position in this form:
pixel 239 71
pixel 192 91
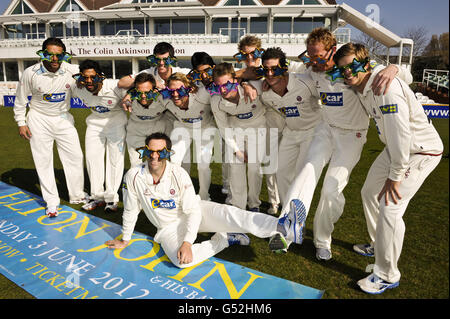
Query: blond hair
pixel 322 35
pixel 178 76
pixel 359 50
pixel 249 41
pixel 223 69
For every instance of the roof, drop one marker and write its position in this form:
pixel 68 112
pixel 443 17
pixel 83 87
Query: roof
pixel 97 4
pixel 42 5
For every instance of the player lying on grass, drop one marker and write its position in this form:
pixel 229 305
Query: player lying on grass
pixel 413 149
pixel 166 194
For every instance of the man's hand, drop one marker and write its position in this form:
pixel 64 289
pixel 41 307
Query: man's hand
pixel 126 103
pixel 185 253
pixel 249 92
pixel 116 244
pixel 390 188
pixel 383 79
pixel 242 156
pixel 160 85
pixel 24 131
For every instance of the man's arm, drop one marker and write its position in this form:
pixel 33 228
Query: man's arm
pixel 383 79
pixel 126 82
pixel 20 105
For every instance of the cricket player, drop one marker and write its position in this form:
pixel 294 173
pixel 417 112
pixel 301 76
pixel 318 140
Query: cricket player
pixel 49 83
pixel 146 115
pixel 337 141
pixel 166 194
pixel 105 133
pixel 194 122
pixel 413 150
pixel 243 126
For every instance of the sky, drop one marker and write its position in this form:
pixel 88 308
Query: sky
pixel 397 15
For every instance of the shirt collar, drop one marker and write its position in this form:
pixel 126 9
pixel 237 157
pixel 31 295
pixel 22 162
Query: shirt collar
pixel 43 70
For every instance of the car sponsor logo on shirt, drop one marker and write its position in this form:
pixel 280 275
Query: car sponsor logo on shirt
pixel 289 111
pixel 192 120
pixel 100 109
pixel 389 108
pixel 332 99
pixel 161 203
pixel 54 97
pixel 244 116
pixel 143 117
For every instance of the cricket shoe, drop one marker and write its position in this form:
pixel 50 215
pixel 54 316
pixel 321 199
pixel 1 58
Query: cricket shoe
pixel 111 207
pixel 93 204
pixel 84 200
pixel 51 212
pixel 278 244
pixel 273 210
pixel 364 249
pixel 323 254
pixel 374 285
pixel 238 239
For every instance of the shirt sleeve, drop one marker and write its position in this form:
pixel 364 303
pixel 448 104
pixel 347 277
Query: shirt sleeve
pixel 395 117
pixel 131 205
pixel 22 93
pixel 221 118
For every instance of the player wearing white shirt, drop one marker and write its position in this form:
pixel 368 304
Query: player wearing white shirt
pixel 166 194
pixel 146 115
pixel 48 120
pixel 194 122
pixel 105 133
pixel 413 149
pixel 243 126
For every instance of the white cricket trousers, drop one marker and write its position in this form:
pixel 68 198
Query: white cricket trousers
pixel 292 152
pixel 341 149
pixel 60 129
pixel 218 218
pixel 107 138
pixel 137 132
pixel 203 147
pixel 385 223
pixel 273 193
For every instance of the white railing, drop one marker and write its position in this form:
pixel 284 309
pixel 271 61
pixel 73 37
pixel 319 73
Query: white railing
pixel 436 77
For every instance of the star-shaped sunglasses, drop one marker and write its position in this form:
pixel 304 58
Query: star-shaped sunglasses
pixel 146 153
pixel 242 56
pixel 213 88
pixel 277 70
pixel 155 61
pixel 44 55
pixel 355 67
pixel 82 79
pixel 315 59
pixel 168 93
pixel 135 94
pixel 197 76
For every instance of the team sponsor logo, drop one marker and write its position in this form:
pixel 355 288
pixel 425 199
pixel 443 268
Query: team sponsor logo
pixel 142 117
pixel 192 120
pixel 289 111
pixel 358 135
pixel 172 192
pixel 389 108
pixel 160 203
pixel 332 99
pixel 54 97
pixel 100 109
pixel 244 116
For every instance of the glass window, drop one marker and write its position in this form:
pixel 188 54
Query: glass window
pixel 247 3
pixel 218 24
pixel 303 25
pixel 139 25
pixel 162 26
pixel 184 64
pixel 56 30
pixel 318 23
pixel 123 67
pixel 232 3
pixel 282 25
pixel 180 26
pixel 12 71
pixel 122 25
pixel 310 2
pixel 107 28
pixel 196 26
pixel 106 66
pixel 1 72
pixel 143 65
pixel 295 2
pixel 28 63
pixel 258 25
pixel 84 28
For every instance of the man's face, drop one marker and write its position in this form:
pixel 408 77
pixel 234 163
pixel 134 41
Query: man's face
pixel 176 99
pixel 154 162
pixel 145 87
pixel 349 79
pixel 205 78
pixel 251 61
pixel 318 50
pixel 221 80
pixel 162 68
pixel 270 78
pixel 53 65
pixel 89 75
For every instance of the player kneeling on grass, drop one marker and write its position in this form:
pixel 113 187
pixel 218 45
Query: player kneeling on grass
pixel 167 196
pixel 413 149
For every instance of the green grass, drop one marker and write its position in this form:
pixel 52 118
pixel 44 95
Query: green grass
pixel 424 262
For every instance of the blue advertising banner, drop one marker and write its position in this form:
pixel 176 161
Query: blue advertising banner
pixel 65 257
pixel 437 111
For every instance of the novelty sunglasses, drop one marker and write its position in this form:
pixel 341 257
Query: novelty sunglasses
pixel 355 67
pixel 315 59
pixel 168 93
pixel 135 94
pixel 145 153
pixel 197 76
pixel 241 56
pixel 155 61
pixel 213 88
pixel 277 70
pixel 82 79
pixel 44 55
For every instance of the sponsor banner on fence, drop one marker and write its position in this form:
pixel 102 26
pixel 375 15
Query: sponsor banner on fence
pixel 65 257
pixel 438 111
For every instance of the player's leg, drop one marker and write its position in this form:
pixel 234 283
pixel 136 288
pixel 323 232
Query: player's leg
pixel 204 150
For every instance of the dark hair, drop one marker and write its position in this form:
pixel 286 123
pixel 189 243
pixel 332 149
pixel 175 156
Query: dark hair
pixel 201 58
pixel 164 47
pixel 274 53
pixel 159 136
pixel 144 77
pixel 53 41
pixel 223 69
pixel 90 64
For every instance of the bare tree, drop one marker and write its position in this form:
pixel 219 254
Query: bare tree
pixel 419 34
